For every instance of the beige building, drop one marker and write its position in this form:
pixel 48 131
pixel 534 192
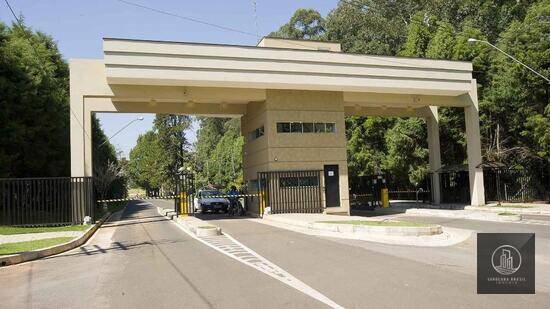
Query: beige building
pixel 292 97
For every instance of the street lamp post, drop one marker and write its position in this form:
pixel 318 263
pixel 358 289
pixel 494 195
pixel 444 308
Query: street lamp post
pixel 472 40
pixel 124 127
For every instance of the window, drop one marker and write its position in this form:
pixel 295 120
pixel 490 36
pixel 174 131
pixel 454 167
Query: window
pixel 307 127
pixel 283 127
pixel 319 127
pixel 296 127
pixel 330 127
pixel 257 133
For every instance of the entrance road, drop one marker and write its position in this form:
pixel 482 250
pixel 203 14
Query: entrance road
pixel 359 274
pixel 142 260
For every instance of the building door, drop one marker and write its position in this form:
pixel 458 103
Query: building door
pixel 332 186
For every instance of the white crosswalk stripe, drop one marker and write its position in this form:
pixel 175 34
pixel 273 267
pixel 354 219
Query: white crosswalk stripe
pixel 231 247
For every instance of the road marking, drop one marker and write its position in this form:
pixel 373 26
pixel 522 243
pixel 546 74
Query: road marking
pixel 231 247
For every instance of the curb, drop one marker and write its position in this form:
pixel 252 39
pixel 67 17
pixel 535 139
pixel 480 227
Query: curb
pixel 526 211
pixel 363 230
pixel 468 214
pixel 379 230
pixel 53 250
pixel 193 224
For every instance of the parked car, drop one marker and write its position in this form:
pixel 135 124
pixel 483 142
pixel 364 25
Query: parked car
pixel 208 200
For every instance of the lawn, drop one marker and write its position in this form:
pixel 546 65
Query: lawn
pixel 378 223
pixel 12 230
pixel 506 214
pixel 17 247
pixel 513 206
pixel 112 207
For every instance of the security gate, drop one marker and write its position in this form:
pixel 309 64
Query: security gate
pixel 184 193
pixel 291 191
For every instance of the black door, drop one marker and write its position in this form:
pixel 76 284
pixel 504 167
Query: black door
pixel 332 186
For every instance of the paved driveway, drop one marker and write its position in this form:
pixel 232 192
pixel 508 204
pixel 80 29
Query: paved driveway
pixel 142 260
pixel 359 274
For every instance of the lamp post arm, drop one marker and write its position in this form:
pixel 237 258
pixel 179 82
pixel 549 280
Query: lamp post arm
pixel 516 60
pixel 124 127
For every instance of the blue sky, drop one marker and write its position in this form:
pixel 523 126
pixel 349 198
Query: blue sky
pixel 79 26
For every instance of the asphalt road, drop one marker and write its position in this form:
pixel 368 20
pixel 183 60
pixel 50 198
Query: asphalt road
pixel 142 261
pixel 359 274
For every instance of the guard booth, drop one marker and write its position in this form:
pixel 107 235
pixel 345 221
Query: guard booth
pixel 292 98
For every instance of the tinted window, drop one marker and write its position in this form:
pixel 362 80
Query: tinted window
pixel 283 127
pixel 319 127
pixel 210 193
pixel 296 127
pixel 307 127
pixel 330 127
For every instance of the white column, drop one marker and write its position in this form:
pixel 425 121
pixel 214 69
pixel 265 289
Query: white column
pixel 76 115
pixel 88 143
pixel 473 140
pixel 432 121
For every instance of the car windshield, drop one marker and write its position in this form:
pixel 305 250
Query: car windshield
pixel 210 193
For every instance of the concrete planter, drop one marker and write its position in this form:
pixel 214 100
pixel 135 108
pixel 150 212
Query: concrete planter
pixel 378 230
pixel 509 218
pixel 193 224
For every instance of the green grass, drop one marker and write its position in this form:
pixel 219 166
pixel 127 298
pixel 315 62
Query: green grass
pixel 18 247
pixel 513 206
pixel 206 227
pixel 12 230
pixel 506 214
pixel 112 207
pixel 378 223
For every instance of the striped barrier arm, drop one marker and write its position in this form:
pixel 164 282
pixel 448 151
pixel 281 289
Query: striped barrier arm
pixel 171 197
pixel 137 199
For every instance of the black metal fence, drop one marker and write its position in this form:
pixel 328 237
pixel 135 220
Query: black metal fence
pixel 366 190
pixel 516 185
pixel 43 201
pixel 454 186
pixel 501 184
pixel 292 191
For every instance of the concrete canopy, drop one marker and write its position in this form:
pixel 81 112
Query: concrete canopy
pixel 142 76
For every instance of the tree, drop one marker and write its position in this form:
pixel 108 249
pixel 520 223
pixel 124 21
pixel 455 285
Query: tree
pixel 171 136
pixel 147 162
pixel 210 132
pixel 407 154
pixel 105 176
pixel 304 24
pixel 34 100
pixel 106 164
pixel 441 46
pixel 421 30
pixel 226 158
pixel 518 134
pixel 34 122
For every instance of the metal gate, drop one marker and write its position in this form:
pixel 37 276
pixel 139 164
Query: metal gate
pixel 291 191
pixel 184 193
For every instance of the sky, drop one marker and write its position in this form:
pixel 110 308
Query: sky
pixel 79 26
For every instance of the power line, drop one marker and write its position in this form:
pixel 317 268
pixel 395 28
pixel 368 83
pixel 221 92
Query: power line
pixel 288 42
pixel 43 71
pixel 254 4
pixel 188 18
